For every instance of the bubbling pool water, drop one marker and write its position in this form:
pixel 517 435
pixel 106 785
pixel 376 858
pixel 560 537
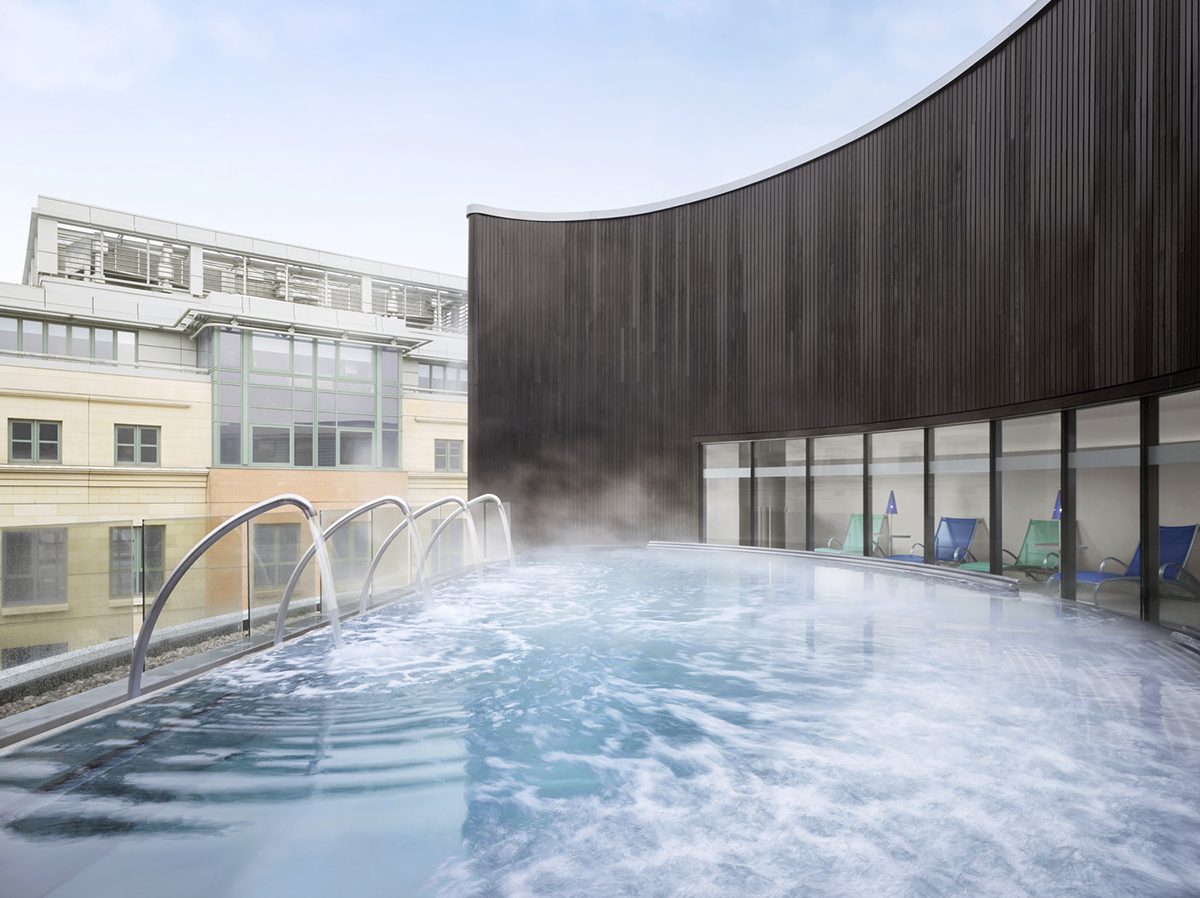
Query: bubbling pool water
pixel 644 722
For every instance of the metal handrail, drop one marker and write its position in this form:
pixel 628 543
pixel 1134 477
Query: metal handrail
pixel 138 663
pixel 286 599
pixel 463 506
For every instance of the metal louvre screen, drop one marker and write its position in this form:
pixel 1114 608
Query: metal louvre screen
pixel 122 258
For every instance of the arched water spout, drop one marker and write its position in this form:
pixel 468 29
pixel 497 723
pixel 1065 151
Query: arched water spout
pixel 463 507
pixel 294 579
pixel 142 646
pixel 495 500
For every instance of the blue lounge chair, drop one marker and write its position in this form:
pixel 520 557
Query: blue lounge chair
pixel 951 543
pixel 853 543
pixel 1174 547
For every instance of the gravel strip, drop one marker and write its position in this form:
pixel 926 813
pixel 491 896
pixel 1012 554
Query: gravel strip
pixel 91 681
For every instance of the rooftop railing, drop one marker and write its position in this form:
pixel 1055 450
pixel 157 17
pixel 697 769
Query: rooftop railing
pixel 99 255
pixel 105 256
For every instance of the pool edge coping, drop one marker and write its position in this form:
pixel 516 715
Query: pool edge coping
pixel 997 581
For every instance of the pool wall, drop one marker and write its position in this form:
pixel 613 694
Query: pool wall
pixel 1022 238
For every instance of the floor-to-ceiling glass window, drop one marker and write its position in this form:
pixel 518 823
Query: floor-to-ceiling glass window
pixel 727 493
pixel 1030 469
pixel 1106 462
pixel 285 400
pixel 779 493
pixel 897 472
pixel 837 472
pixel 1177 457
pixel 961 493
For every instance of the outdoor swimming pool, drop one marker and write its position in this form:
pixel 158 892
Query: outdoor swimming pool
pixel 643 722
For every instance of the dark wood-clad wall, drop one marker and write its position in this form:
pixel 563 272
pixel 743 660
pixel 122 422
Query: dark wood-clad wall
pixel 1027 237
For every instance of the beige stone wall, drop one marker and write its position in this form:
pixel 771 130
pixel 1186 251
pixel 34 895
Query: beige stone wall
pixel 231 489
pixel 91 403
pixel 427 419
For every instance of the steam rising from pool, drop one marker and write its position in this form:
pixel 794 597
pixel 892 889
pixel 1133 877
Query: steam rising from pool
pixel 645 723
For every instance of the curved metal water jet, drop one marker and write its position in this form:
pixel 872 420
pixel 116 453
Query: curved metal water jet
pixel 463 507
pixel 286 599
pixel 495 500
pixel 142 646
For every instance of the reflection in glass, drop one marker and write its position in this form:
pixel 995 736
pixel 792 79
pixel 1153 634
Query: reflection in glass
pixel 270 445
pixel 105 343
pixel 961 493
pixel 270 352
pixel 8 334
pixel 126 347
pixel 56 339
pixel 31 336
pixel 1030 464
pixel 356 361
pixel 81 341
pixel 727 493
pixel 356 447
pixel 1177 457
pixel 897 472
pixel 779 475
pixel 1107 464
pixel 230 349
pixel 837 472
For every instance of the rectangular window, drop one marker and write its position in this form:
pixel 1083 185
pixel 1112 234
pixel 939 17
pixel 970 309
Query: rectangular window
pixel 270 445
pixel 35 567
pixel 34 442
pixel 137 445
pixel 81 341
pixel 126 347
pixel 356 362
pixel 56 339
pixel 276 553
pixel 229 349
pixel 356 447
pixel 390 449
pixel 270 352
pixel 442 378
pixel 727 510
pixel 31 337
pixel 105 347
pixel 135 560
pixel 230 443
pixel 448 455
pixel 9 331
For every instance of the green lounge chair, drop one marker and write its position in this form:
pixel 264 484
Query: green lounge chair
pixel 853 543
pixel 1038 555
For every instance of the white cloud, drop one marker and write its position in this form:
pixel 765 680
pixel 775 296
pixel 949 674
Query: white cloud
pixel 90 46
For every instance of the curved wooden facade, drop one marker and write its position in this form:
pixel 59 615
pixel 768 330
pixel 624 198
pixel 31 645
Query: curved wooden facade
pixel 1025 237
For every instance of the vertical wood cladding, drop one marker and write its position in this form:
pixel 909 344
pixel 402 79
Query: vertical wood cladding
pixel 1028 233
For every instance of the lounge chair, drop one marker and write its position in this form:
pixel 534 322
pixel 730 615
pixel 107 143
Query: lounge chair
pixel 1174 547
pixel 853 542
pixel 951 542
pixel 1039 552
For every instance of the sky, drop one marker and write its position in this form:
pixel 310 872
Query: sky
pixel 368 127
